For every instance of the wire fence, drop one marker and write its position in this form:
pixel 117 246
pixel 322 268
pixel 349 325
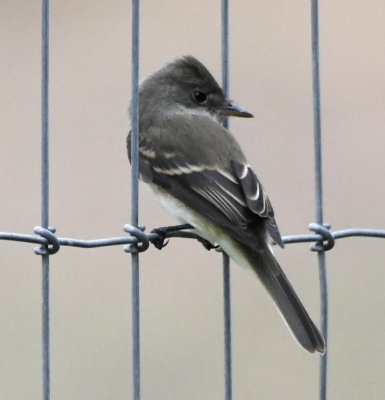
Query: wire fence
pixel 322 239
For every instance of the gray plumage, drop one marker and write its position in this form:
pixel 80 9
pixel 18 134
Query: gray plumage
pixel 199 172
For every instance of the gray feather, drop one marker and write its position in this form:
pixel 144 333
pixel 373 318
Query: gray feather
pixel 288 303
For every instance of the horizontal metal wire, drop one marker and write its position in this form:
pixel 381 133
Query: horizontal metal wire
pixel 45 237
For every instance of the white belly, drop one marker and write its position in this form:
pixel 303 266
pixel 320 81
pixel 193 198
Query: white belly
pixel 203 227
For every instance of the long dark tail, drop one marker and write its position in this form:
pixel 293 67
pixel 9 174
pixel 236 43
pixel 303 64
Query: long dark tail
pixel 291 308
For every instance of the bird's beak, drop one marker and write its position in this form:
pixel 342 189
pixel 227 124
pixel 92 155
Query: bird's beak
pixel 235 110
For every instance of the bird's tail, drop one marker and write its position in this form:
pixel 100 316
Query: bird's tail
pixel 273 278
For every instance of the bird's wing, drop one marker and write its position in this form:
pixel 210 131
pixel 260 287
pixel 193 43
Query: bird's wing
pixel 225 191
pixel 256 199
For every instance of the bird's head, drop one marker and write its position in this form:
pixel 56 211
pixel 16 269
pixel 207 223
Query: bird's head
pixel 187 84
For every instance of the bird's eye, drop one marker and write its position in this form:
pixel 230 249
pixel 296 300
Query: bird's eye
pixel 199 96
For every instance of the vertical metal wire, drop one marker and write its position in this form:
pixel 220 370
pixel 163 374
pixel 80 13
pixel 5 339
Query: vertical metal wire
pixel 226 261
pixel 135 196
pixel 318 189
pixel 225 48
pixel 45 197
pixel 227 327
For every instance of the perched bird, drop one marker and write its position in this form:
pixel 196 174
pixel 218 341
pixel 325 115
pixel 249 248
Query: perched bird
pixel 200 174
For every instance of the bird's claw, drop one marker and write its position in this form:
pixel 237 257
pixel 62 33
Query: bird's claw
pixel 161 240
pixel 207 245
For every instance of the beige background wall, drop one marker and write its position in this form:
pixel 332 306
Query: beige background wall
pixel 181 286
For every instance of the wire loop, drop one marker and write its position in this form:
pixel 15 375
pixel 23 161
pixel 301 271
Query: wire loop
pixel 141 241
pixel 327 240
pixel 52 246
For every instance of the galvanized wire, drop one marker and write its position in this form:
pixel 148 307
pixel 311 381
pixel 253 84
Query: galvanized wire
pixel 45 197
pixel 319 190
pixel 135 196
pixel 135 239
pixel 225 258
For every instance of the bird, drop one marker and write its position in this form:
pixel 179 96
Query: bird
pixel 199 173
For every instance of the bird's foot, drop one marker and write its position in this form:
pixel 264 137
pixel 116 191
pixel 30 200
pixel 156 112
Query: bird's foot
pixel 160 241
pixel 207 245
pixel 162 233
